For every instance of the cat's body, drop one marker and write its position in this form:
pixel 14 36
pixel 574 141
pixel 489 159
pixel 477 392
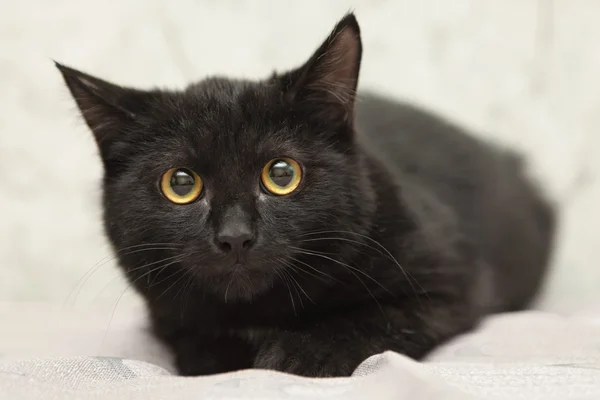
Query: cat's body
pixel 403 231
pixel 483 185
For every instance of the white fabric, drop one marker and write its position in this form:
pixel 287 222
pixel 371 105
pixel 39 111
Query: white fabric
pixel 529 356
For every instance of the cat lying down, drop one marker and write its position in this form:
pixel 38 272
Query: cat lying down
pixel 282 224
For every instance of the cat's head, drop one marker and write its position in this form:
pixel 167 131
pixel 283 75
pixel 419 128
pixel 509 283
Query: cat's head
pixel 227 180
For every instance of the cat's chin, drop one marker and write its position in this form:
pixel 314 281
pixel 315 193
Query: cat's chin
pixel 239 284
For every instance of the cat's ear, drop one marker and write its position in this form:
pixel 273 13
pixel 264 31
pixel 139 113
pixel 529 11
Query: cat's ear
pixel 106 108
pixel 328 80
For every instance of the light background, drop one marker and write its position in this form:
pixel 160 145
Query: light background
pixel 522 72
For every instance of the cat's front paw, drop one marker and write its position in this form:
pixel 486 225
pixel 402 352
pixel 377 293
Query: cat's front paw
pixel 306 355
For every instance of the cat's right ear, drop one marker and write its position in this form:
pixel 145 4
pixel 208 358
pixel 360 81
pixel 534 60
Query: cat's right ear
pixel 106 108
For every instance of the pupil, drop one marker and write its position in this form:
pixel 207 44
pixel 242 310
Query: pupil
pixel 182 182
pixel 281 173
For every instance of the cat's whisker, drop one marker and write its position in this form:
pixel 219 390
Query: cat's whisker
pixel 86 277
pixel 294 284
pixel 162 268
pixel 282 278
pixel 132 282
pixel 185 273
pixel 154 283
pixel 323 255
pixel 227 288
pixel 159 268
pixel 186 295
pixel 357 242
pixel 409 277
pixel 294 268
pixel 351 270
pixel 323 277
pixel 189 274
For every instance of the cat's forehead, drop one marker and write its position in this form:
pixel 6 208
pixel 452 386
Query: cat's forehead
pixel 225 111
pixel 221 118
pixel 223 89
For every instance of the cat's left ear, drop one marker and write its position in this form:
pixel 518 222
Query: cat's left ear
pixel 327 82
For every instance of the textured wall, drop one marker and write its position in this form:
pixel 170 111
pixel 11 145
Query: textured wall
pixel 523 72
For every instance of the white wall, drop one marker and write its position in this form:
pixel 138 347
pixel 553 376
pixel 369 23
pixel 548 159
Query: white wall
pixel 522 72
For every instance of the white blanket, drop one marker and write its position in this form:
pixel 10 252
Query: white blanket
pixel 529 355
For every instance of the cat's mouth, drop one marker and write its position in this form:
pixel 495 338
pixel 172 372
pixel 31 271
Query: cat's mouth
pixel 238 282
pixel 235 279
pixel 235 266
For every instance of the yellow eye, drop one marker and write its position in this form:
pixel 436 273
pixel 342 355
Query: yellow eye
pixel 281 176
pixel 181 185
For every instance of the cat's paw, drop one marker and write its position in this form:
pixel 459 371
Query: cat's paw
pixel 203 355
pixel 305 355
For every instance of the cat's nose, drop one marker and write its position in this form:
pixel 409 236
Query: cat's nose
pixel 235 238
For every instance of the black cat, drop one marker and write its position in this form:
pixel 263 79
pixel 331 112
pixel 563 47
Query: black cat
pixel 283 224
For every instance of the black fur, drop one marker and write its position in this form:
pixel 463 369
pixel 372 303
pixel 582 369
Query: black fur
pixel 404 231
